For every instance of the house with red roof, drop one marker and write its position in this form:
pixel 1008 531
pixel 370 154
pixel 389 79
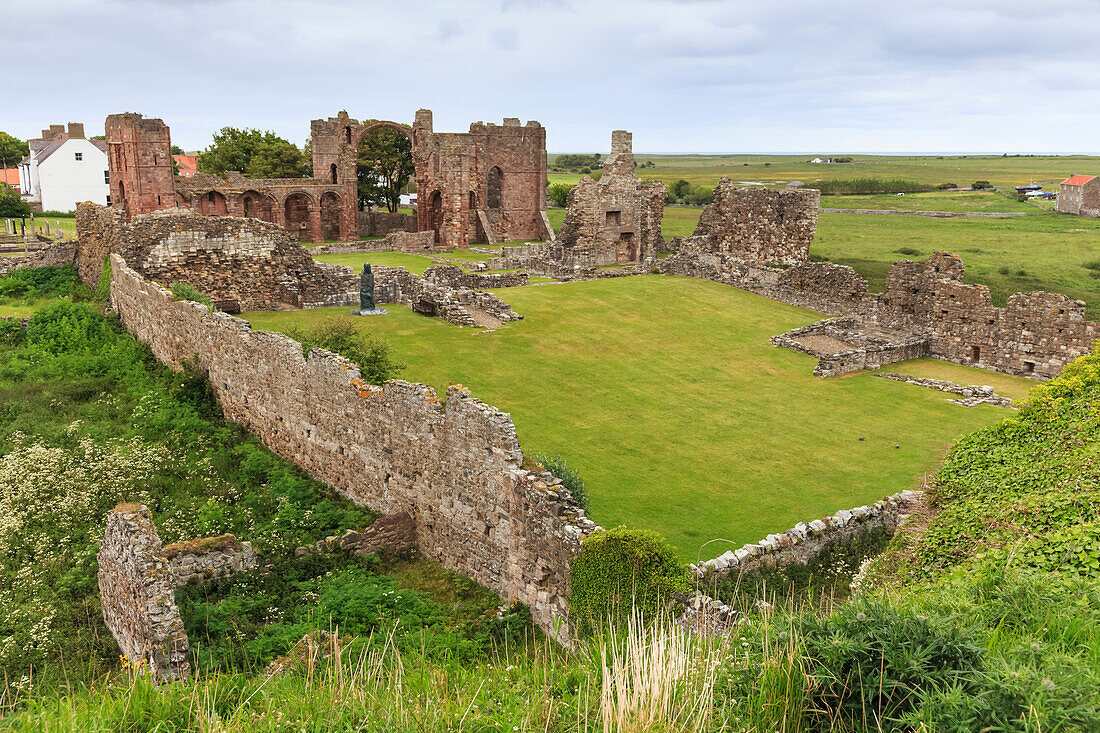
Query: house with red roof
pixel 1080 194
pixel 9 177
pixel 188 165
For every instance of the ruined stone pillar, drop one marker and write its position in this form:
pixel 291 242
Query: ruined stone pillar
pixel 315 223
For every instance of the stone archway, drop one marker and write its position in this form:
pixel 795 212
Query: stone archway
pixel 330 216
pixel 297 211
pixel 255 205
pixel 380 149
pixel 494 188
pixel 213 203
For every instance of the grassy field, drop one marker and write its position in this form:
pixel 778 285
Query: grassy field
pixel 666 395
pixel 953 201
pixel 1050 252
pixel 702 170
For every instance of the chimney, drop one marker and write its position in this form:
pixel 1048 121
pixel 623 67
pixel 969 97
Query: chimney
pixel 76 130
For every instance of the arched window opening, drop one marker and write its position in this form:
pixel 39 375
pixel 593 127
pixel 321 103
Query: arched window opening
pixel 247 205
pixel 493 188
pixel 332 172
pixel 347 134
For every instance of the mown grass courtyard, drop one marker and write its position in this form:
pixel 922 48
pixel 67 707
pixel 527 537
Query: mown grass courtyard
pixel 667 396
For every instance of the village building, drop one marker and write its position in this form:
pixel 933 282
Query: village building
pixel 188 165
pixel 63 168
pixel 1079 194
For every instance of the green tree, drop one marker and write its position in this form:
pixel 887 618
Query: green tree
pixel 255 154
pixel 384 167
pixel 12 150
pixel 11 206
pixel 680 189
pixel 177 150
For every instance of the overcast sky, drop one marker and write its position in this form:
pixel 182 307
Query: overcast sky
pixel 683 75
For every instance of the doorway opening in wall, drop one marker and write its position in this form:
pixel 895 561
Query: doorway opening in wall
pixel 435 214
pixel 384 167
pixel 975 354
pixel 626 249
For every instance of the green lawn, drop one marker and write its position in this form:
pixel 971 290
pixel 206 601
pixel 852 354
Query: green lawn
pixel 705 170
pixel 1043 252
pixel 956 202
pixel 666 395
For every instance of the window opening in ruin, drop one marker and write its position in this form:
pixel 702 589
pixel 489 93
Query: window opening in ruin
pixel 121 191
pixel 614 218
pixel 435 213
pixel 347 134
pixel 473 201
pixel 158 199
pixel 1029 367
pixel 975 353
pixel 332 172
pixel 493 188
pixel 247 203
pixel 210 197
pixel 383 168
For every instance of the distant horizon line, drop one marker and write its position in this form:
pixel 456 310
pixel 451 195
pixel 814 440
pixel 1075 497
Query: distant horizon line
pixel 891 153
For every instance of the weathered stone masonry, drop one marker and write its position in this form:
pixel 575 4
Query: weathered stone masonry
pixel 456 469
pixel 1033 335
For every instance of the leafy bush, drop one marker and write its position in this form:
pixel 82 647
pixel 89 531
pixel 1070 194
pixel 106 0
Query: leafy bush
pixel 570 479
pixel 867 186
pixel 946 186
pixel 619 570
pixel 559 194
pixel 981 185
pixel 870 664
pixel 187 291
pixel 342 336
pixel 42 282
pixel 907 251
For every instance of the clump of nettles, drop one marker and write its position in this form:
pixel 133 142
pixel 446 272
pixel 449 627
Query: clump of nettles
pixel 342 336
pixel 570 478
pixel 187 291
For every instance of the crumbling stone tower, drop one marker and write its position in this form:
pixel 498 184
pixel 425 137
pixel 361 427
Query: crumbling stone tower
pixel 617 219
pixel 485 185
pixel 139 157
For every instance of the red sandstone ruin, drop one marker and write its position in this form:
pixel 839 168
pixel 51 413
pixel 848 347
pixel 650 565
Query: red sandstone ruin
pixel 486 185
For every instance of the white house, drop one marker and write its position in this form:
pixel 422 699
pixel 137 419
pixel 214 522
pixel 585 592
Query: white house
pixel 64 168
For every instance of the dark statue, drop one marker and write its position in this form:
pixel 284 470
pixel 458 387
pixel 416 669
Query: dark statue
pixel 367 304
pixel 366 288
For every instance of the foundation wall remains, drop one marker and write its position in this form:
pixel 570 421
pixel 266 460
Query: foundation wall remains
pixel 805 541
pixel 455 468
pixel 381 223
pixel 1033 335
pixel 208 558
pixel 137 594
pixel 242 264
pixel 758 225
pixel 455 277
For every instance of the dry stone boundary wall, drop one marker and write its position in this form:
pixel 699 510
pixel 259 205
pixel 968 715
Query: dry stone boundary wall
pixel 806 540
pixel 455 468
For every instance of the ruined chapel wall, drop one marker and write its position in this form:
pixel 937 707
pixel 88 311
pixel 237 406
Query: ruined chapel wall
pixel 455 469
pixel 760 225
pixel 138 596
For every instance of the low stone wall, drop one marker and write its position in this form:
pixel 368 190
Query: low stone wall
pixel 457 469
pixel 801 544
pixel 454 277
pixel 972 394
pixel 452 304
pixel 138 596
pixel 400 241
pixel 378 223
pixel 208 558
pixel 391 535
pixel 844 345
pixel 55 255
pixel 1033 335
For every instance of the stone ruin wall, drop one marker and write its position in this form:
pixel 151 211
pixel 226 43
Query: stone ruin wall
pixel 455 468
pixel 617 219
pixel 242 264
pixel 1033 335
pixel 758 225
pixel 448 302
pixel 416 242
pixel 381 223
pixel 453 276
pixel 208 558
pixel 850 346
pixel 804 542
pixel 138 596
